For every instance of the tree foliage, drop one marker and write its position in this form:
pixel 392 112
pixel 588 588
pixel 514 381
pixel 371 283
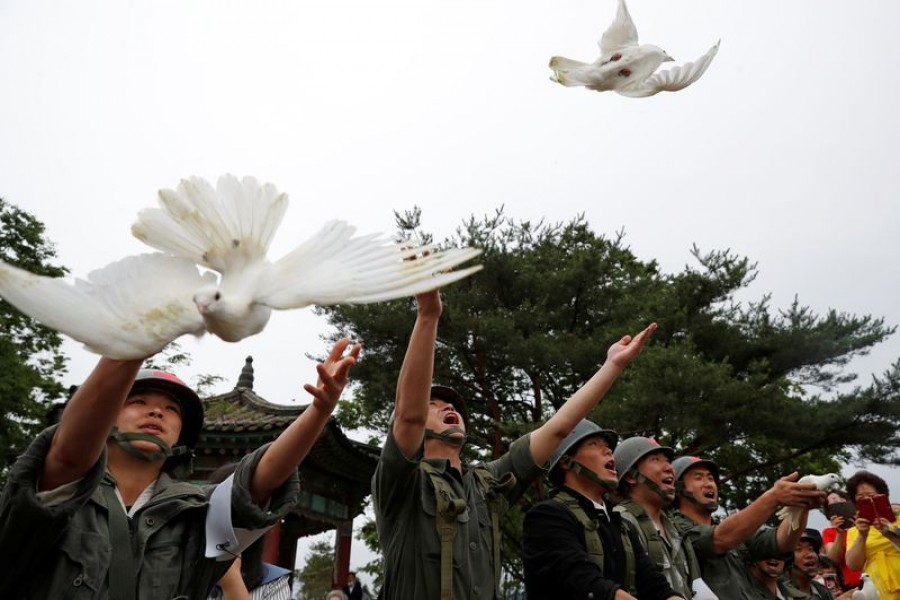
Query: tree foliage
pixel 752 387
pixel 317 573
pixel 29 352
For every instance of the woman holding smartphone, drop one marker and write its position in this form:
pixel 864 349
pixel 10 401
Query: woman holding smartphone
pixel 873 543
pixel 840 512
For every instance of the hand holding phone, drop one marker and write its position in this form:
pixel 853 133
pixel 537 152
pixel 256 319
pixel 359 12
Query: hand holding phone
pixel 845 510
pixel 875 507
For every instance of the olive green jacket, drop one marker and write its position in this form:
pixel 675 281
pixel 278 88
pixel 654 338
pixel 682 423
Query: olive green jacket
pixel 726 574
pixel 674 556
pixel 406 516
pixel 63 551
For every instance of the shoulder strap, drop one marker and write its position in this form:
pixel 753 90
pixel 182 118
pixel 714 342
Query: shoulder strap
pixel 593 543
pixel 122 573
pixel 448 507
pixel 650 538
pixel 494 491
pixel 591 537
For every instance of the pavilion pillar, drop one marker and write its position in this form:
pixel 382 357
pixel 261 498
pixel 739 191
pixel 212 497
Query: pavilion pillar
pixel 343 539
pixel 272 547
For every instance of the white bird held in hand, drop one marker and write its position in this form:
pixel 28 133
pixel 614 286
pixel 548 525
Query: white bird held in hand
pixel 134 307
pixel 824 483
pixel 627 67
pixel 868 590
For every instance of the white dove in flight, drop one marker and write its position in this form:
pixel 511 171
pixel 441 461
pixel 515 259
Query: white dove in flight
pixel 825 483
pixel 627 67
pixel 134 307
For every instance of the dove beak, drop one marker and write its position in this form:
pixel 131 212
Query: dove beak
pixel 669 59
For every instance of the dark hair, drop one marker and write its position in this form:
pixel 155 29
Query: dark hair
pixel 252 570
pixel 865 477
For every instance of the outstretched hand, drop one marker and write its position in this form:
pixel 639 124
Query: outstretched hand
pixel 627 349
pixel 333 374
pixel 803 495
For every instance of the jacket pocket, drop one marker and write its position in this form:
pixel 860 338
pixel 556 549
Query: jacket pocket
pixel 84 561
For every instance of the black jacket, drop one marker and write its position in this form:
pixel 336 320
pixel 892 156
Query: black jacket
pixel 557 564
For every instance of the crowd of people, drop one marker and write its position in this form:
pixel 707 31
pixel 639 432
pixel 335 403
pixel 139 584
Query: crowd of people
pixel 93 510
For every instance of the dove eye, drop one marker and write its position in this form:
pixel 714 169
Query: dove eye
pixel 217 296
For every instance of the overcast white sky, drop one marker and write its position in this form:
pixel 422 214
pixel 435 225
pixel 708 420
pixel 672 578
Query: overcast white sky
pixel 785 151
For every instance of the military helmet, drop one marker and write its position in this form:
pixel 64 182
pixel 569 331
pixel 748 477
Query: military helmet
pixel 683 463
pixel 583 430
pixel 632 450
pixel 191 407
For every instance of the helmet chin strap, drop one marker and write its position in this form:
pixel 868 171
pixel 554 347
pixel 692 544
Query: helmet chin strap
pixel 165 451
pixel 581 470
pixel 668 497
pixel 710 506
pixel 448 436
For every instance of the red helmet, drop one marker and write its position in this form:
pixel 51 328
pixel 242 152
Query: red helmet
pixel 191 407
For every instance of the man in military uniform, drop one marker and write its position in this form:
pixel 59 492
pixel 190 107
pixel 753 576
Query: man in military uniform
pixel 90 511
pixel 438 521
pixel 723 549
pixel 647 482
pixel 768 583
pixel 574 545
pixel 805 566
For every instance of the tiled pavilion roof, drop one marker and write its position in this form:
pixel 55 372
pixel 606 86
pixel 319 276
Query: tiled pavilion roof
pixel 336 474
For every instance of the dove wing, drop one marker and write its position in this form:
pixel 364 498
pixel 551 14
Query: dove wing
pixel 620 34
pixel 674 79
pixel 334 267
pixel 224 229
pixel 129 309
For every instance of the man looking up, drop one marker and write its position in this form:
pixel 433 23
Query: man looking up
pixel 647 482
pixel 91 512
pixel 438 520
pixel 575 546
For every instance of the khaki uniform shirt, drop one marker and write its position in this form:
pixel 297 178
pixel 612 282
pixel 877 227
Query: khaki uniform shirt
pixel 405 515
pixel 64 550
pixel 726 574
pixel 673 556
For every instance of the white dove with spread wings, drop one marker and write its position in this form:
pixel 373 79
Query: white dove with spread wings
pixel 134 307
pixel 627 67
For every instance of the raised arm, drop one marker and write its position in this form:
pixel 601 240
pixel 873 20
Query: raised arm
pixel 548 436
pixel 741 526
pixel 856 552
pixel 294 443
pixel 86 422
pixel 414 381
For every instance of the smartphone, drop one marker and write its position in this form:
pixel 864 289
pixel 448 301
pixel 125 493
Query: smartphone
pixel 843 509
pixel 877 506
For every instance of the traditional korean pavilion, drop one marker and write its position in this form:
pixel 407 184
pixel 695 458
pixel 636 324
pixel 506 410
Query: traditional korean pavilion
pixel 336 475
